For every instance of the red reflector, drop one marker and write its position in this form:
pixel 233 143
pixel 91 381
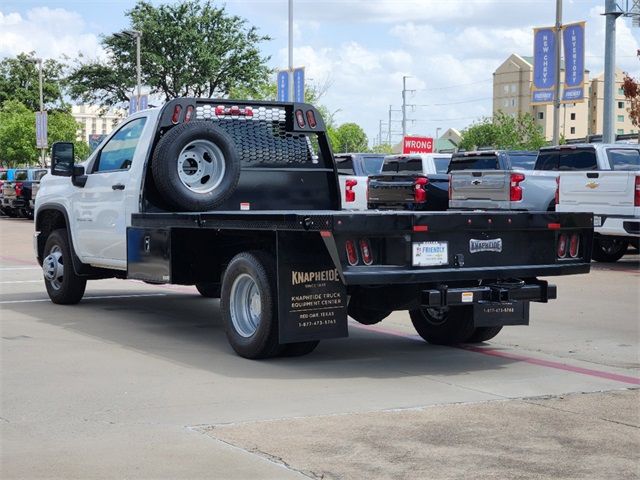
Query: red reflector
pixel 574 245
pixel 311 119
pixel 300 118
pixel 352 253
pixel 553 226
pixel 562 246
pixel 175 118
pixel 557 196
pixel 349 194
pixel 234 111
pixel 365 250
pixel 188 115
pixel 636 198
pixel 421 228
pixel 515 191
pixel 325 233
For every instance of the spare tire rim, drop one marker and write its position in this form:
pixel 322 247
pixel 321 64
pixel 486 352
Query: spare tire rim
pixel 53 267
pixel 201 166
pixel 436 316
pixel 245 305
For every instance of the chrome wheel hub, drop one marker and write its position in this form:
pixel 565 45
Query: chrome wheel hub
pixel 245 305
pixel 53 267
pixel 201 166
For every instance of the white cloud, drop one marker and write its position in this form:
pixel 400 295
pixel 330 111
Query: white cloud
pixel 50 32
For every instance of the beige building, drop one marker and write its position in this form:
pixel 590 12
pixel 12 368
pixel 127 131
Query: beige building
pixel 93 120
pixel 596 106
pixel 512 95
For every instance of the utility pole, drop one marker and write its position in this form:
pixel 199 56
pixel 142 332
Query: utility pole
pixel 404 106
pixel 380 131
pixel 291 50
pixel 389 132
pixel 556 101
pixel 42 151
pixel 435 140
pixel 137 36
pixel 611 13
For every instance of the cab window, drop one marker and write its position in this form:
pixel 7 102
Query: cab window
pixel 117 153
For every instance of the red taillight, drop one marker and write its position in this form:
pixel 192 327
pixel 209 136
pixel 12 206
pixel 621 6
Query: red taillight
pixel 188 115
pixel 300 118
pixel 420 194
pixel 18 188
pixel 234 111
pixel 557 197
pixel 311 119
pixel 352 253
pixel 349 194
pixel 562 245
pixel 365 250
pixel 515 191
pixel 177 110
pixel 574 245
pixel 636 198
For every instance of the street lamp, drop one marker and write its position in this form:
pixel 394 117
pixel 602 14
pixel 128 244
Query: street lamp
pixel 134 35
pixel 39 62
pixel 436 139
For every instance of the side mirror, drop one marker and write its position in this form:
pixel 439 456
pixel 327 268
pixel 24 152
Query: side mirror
pixel 62 157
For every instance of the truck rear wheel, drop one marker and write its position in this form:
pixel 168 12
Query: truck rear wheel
pixel 63 285
pixel 195 166
pixel 443 326
pixel 482 334
pixel 249 305
pixel 609 249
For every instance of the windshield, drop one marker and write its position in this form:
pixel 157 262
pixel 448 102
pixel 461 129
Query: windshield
pixel 21 175
pixel 402 165
pixel 442 164
pixel 476 162
pixel 523 161
pixel 345 165
pixel 372 164
pixel 624 159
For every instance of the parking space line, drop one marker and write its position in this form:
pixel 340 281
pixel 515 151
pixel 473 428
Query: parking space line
pixel 19 268
pixel 517 357
pixel 89 298
pixel 20 281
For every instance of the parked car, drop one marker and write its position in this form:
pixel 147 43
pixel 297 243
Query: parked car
pixel 6 175
pixel 241 199
pixel 498 180
pixel 353 174
pixel 612 194
pixel 411 182
pixel 17 194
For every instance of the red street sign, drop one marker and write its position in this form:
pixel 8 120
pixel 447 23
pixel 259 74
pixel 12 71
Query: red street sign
pixel 417 145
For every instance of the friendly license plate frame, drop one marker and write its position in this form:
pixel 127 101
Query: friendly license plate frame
pixel 429 254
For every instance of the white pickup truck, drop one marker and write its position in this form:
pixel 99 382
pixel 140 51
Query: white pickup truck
pixel 353 174
pixel 612 193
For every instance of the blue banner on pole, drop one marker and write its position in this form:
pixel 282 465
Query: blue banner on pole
pixel 573 40
pixel 298 85
pixel 41 130
pixel 133 107
pixel 544 65
pixel 283 86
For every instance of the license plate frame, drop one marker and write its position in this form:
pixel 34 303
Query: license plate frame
pixel 429 254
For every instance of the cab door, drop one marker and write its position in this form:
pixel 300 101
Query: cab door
pixel 100 208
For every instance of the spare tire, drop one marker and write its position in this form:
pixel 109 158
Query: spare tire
pixel 195 166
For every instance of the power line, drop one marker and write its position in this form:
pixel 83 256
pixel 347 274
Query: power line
pixel 445 119
pixel 454 103
pixel 456 86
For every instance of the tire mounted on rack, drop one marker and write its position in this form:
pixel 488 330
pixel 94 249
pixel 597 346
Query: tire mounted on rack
pixel 195 166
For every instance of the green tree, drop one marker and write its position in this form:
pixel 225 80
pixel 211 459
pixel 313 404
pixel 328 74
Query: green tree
pixel 19 81
pixel 190 48
pixel 382 148
pixel 18 133
pixel 350 137
pixel 504 132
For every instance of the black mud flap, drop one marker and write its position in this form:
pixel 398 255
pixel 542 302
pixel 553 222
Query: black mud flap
pixel 312 300
pixel 497 314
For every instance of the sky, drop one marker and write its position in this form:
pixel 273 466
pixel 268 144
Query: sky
pixel 359 49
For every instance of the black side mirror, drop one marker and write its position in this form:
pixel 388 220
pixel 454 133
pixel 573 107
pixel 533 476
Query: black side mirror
pixel 62 159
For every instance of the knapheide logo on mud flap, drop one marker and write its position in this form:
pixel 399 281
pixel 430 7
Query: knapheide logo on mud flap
pixel 310 277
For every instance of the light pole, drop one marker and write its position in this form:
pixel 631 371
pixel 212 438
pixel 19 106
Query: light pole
pixel 134 35
pixel 436 139
pixel 290 50
pixel 39 62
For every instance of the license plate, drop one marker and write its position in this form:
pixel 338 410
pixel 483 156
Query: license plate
pixel 597 221
pixel 426 254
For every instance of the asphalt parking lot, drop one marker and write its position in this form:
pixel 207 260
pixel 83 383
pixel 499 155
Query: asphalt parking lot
pixel 138 381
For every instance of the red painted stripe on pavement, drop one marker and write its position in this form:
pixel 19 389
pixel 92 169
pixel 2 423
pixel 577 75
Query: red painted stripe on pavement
pixel 19 261
pixel 515 356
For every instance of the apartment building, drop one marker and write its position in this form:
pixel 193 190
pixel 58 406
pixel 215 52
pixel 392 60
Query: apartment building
pixel 596 105
pixel 93 119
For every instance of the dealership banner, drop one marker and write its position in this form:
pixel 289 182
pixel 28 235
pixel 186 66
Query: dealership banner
pixel 573 43
pixel 544 65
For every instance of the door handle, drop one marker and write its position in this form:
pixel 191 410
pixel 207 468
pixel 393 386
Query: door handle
pixel 117 186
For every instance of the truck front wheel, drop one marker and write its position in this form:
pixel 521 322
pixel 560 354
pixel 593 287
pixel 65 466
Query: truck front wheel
pixel 63 285
pixel 249 305
pixel 609 249
pixel 443 326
